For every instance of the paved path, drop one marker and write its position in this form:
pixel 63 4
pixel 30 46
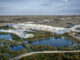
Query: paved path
pixel 30 53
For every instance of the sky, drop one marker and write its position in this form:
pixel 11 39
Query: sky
pixel 39 7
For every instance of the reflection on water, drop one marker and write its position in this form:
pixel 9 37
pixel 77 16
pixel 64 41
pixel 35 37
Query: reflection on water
pixel 17 47
pixel 55 42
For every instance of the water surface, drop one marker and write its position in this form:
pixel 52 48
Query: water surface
pixel 6 36
pixel 54 42
pixel 17 47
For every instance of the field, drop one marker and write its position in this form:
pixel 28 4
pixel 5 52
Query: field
pixel 58 21
pixel 23 36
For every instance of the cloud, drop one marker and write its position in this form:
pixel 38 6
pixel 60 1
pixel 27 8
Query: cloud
pixel 69 0
pixel 37 6
pixel 2 8
pixel 66 0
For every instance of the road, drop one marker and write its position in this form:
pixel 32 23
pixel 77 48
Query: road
pixel 30 53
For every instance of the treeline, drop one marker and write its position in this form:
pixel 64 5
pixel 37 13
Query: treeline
pixel 49 48
pixel 67 36
pixel 4 57
pixel 39 35
pixel 4 27
pixel 16 37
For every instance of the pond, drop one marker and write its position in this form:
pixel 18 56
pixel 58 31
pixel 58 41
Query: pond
pixel 54 42
pixel 5 36
pixel 17 47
